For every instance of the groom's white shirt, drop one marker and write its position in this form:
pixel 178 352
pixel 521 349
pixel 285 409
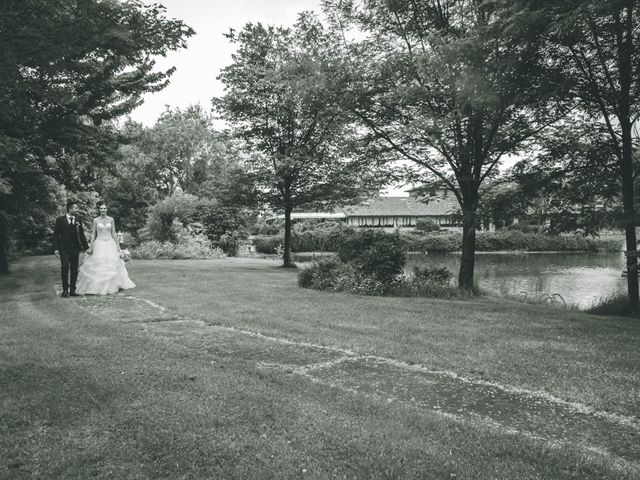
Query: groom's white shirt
pixel 69 218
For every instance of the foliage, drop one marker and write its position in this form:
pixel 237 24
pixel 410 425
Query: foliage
pixel 379 254
pixel 224 227
pixel 264 227
pixel 426 225
pixel 615 304
pixel 445 242
pixel 438 275
pixel 167 216
pixel 188 244
pixel 595 47
pixel 185 152
pixel 525 226
pixel 511 240
pixel 501 204
pixel 129 190
pixel 279 100
pixel 67 68
pixel 267 244
pixel 219 220
pixel 333 275
pixel 442 86
pixel 230 243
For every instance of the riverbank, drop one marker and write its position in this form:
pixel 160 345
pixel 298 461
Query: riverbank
pixel 224 368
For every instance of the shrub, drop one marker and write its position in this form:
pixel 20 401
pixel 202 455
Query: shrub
pixel 230 243
pixel 433 243
pixel 190 244
pixel 219 221
pixel 264 228
pixel 375 253
pixel 333 275
pixel 305 277
pixel 437 275
pixel 413 286
pixel 330 274
pixel 322 237
pixel 267 245
pixel 426 225
pixel 166 215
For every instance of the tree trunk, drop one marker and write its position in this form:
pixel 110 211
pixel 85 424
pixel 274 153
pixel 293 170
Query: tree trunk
pixel 286 255
pixel 629 215
pixel 4 244
pixel 625 48
pixel 4 261
pixel 467 262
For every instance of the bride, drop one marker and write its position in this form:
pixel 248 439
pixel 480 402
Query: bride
pixel 103 271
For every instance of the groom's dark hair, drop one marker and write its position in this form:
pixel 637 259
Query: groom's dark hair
pixel 71 202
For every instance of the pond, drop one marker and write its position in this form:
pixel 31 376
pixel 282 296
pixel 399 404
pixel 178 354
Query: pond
pixel 580 278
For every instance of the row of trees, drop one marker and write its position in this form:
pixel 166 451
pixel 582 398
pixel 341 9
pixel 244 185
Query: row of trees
pixel 452 87
pixel 67 69
pixel 320 113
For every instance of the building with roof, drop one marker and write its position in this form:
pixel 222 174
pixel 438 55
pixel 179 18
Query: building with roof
pixel 398 212
pixel 393 212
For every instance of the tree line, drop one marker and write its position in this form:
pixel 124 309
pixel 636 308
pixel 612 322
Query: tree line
pixel 324 112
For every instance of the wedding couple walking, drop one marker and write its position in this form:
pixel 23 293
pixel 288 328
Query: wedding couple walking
pixel 103 271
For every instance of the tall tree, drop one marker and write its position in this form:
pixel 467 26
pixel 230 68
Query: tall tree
pixel 184 150
pixel 279 98
pixel 439 85
pixel 67 67
pixel 596 46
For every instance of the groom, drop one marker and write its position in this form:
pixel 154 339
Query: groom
pixel 68 240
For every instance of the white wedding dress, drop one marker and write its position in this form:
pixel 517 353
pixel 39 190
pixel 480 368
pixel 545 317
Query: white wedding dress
pixel 103 271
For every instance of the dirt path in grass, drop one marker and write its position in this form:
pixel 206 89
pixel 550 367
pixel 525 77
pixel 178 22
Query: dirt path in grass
pixel 488 405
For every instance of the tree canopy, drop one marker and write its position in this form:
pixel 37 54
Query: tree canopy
pixel 440 85
pixel 67 68
pixel 279 98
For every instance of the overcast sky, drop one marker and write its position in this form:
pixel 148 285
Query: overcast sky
pixel 208 50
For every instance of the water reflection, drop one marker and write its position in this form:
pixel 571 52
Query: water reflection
pixel 579 277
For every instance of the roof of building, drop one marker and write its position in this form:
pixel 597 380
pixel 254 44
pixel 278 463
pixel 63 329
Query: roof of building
pixel 316 215
pixel 403 207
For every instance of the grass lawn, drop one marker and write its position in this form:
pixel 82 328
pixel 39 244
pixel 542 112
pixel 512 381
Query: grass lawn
pixel 225 369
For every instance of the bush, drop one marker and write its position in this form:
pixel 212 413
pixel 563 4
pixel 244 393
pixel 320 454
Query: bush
pixel 305 277
pixel 166 217
pixel 426 225
pixel 267 245
pixel 332 275
pixel 230 243
pixel 264 228
pixel 374 253
pixel 413 286
pixel 323 237
pixel 190 244
pixel 437 275
pixel 435 242
pixel 219 221
pixel 508 240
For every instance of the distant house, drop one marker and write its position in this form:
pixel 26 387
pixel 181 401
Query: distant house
pixel 393 212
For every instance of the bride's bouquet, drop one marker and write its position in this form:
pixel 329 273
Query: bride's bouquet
pixel 125 254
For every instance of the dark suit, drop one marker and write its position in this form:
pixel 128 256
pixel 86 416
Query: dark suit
pixel 69 240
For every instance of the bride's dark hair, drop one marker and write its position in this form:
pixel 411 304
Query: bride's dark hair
pixel 101 204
